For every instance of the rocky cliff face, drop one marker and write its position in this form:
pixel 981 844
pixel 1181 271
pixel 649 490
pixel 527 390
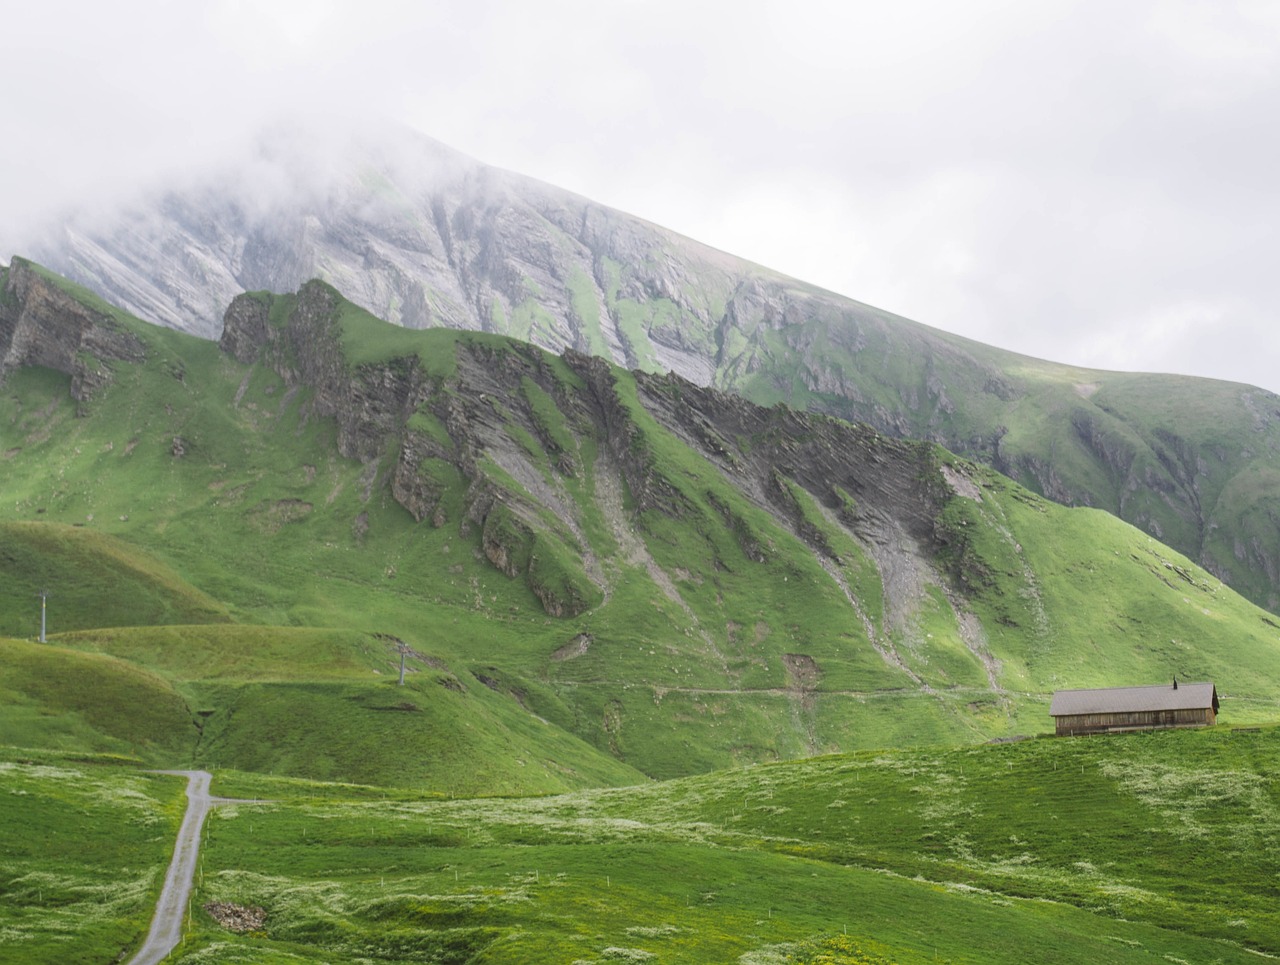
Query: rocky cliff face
pixel 500 408
pixel 422 237
pixel 42 324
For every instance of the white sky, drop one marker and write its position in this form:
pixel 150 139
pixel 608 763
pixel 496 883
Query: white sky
pixel 1093 183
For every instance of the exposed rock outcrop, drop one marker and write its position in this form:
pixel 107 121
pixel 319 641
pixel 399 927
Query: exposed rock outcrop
pixel 498 413
pixel 42 324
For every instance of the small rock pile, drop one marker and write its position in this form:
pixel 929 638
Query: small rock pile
pixel 237 918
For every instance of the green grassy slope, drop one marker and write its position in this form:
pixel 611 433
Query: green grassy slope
pixel 1087 601
pixel 753 586
pixel 111 583
pixel 1125 849
pixel 1137 848
pixel 317 703
pixel 662 580
pixel 84 845
pixel 1190 461
pixel 54 698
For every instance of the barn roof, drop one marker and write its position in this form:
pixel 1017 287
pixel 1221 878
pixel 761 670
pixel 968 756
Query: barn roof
pixel 1120 700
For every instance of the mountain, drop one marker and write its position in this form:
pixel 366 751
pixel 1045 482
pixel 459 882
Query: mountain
pixel 594 574
pixel 423 236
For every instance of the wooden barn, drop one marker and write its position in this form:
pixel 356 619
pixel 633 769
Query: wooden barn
pixel 1134 708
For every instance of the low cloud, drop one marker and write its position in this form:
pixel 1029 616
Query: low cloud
pixel 1080 181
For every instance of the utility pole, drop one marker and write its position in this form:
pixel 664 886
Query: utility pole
pixel 403 648
pixel 43 594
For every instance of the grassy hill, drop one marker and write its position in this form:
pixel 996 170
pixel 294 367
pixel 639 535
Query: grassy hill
pixel 1190 461
pixel 599 578
pixel 1136 848
pixel 319 703
pixel 114 584
pixel 53 698
pixel 601 574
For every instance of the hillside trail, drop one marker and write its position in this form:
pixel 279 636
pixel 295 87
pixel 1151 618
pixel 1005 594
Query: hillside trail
pixel 166 926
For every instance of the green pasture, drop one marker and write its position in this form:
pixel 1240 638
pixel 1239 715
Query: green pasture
pixel 1140 848
pixel 84 845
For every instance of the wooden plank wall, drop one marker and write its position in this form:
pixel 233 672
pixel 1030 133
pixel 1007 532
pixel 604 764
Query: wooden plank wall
pixel 1137 720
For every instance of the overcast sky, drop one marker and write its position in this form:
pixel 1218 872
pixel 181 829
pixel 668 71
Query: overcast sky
pixel 1092 183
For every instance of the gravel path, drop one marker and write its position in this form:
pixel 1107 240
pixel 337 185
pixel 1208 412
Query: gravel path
pixel 166 927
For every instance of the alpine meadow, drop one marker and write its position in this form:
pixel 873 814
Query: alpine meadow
pixel 506 654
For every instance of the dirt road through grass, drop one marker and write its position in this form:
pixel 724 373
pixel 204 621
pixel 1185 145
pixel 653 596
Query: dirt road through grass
pixel 166 927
